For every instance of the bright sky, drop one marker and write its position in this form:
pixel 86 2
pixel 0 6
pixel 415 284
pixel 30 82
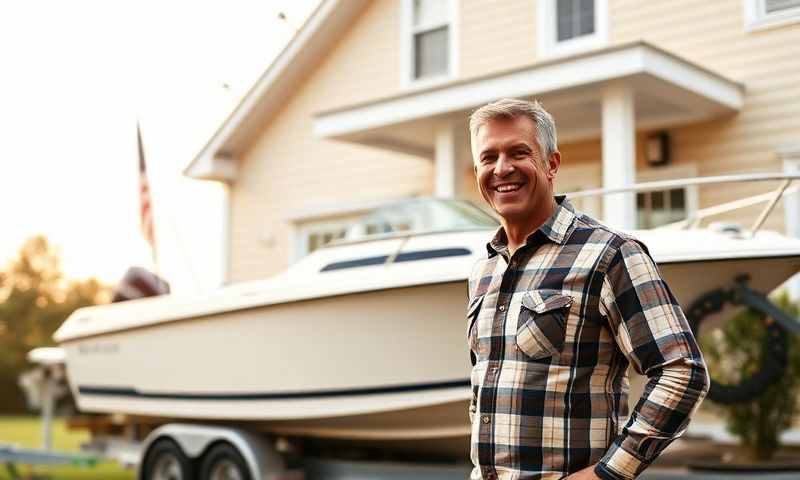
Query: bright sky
pixel 76 76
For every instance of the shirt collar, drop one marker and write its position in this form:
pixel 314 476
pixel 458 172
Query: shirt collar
pixel 556 228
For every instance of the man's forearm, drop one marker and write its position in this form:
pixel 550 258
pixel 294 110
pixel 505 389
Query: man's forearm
pixel 672 394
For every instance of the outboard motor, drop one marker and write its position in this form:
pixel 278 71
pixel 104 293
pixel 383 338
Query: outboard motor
pixel 139 282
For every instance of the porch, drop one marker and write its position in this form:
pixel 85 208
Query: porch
pixel 610 94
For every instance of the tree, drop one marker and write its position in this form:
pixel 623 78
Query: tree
pixel 35 298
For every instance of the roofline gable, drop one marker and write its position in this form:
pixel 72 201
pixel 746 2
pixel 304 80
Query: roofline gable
pixel 217 159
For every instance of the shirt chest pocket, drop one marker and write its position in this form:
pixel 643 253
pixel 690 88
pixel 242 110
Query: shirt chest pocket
pixel 542 323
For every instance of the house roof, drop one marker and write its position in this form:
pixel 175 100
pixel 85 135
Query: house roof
pixel 217 159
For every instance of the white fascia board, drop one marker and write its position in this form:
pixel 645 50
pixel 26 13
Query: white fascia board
pixel 533 81
pixel 693 78
pixel 218 169
pixel 203 166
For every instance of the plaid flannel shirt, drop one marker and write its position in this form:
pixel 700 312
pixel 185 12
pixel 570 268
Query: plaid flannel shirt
pixel 552 331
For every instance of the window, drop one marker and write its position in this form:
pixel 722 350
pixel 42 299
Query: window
pixel 654 209
pixel 574 18
pixel 571 26
pixel 320 238
pixel 761 14
pixel 313 236
pixel 429 40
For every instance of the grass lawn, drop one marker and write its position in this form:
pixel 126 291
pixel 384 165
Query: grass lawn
pixel 26 432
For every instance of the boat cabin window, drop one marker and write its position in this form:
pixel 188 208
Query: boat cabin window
pixel 654 209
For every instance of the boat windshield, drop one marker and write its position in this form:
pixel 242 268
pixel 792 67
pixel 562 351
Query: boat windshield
pixel 423 215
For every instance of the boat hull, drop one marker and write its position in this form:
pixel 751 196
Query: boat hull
pixel 346 356
pixel 387 365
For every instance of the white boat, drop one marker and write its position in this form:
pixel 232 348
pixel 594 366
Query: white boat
pixel 363 340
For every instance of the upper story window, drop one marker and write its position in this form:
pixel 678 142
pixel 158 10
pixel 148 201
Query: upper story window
pixel 574 18
pixel 770 13
pixel 571 26
pixel 429 40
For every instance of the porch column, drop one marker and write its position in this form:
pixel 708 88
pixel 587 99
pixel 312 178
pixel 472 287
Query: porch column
pixel 619 155
pixel 791 209
pixel 450 158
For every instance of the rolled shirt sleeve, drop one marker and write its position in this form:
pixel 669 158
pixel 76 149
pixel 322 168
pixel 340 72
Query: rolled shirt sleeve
pixel 651 330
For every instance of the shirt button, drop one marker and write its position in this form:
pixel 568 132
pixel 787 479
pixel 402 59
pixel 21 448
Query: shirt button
pixel 502 308
pixel 485 419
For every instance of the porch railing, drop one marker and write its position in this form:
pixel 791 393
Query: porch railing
pixel 771 198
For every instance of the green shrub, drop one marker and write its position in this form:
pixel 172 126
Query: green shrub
pixel 734 351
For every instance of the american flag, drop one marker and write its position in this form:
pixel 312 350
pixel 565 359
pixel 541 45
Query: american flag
pixel 145 207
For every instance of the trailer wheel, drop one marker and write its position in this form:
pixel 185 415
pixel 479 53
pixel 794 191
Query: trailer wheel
pixel 224 462
pixel 166 461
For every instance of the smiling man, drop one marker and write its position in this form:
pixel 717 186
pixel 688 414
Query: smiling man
pixel 558 310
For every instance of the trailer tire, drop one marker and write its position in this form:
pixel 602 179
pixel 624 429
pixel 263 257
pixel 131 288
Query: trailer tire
pixel 166 461
pixel 224 462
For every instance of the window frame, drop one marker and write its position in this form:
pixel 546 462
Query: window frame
pixel 316 218
pixel 649 208
pixel 691 194
pixel 756 16
pixel 548 45
pixel 304 231
pixel 407 45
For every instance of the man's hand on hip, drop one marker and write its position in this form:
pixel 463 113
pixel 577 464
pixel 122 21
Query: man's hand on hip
pixel 585 474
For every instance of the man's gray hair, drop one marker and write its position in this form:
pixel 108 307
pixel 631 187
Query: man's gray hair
pixel 511 108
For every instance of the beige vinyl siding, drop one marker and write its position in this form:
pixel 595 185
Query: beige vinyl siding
pixel 496 35
pixel 287 169
pixel 365 63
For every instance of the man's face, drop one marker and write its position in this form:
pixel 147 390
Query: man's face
pixel 512 176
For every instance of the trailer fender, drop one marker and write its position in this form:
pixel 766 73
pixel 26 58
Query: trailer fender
pixel 260 456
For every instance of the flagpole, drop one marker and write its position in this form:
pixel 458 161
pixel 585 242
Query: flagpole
pixel 146 217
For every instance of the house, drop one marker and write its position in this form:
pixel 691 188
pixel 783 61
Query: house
pixel 369 103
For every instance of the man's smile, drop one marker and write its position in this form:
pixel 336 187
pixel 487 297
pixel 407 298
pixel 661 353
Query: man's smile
pixel 508 187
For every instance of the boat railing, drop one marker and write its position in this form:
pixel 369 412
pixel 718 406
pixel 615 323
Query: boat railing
pixel 770 198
